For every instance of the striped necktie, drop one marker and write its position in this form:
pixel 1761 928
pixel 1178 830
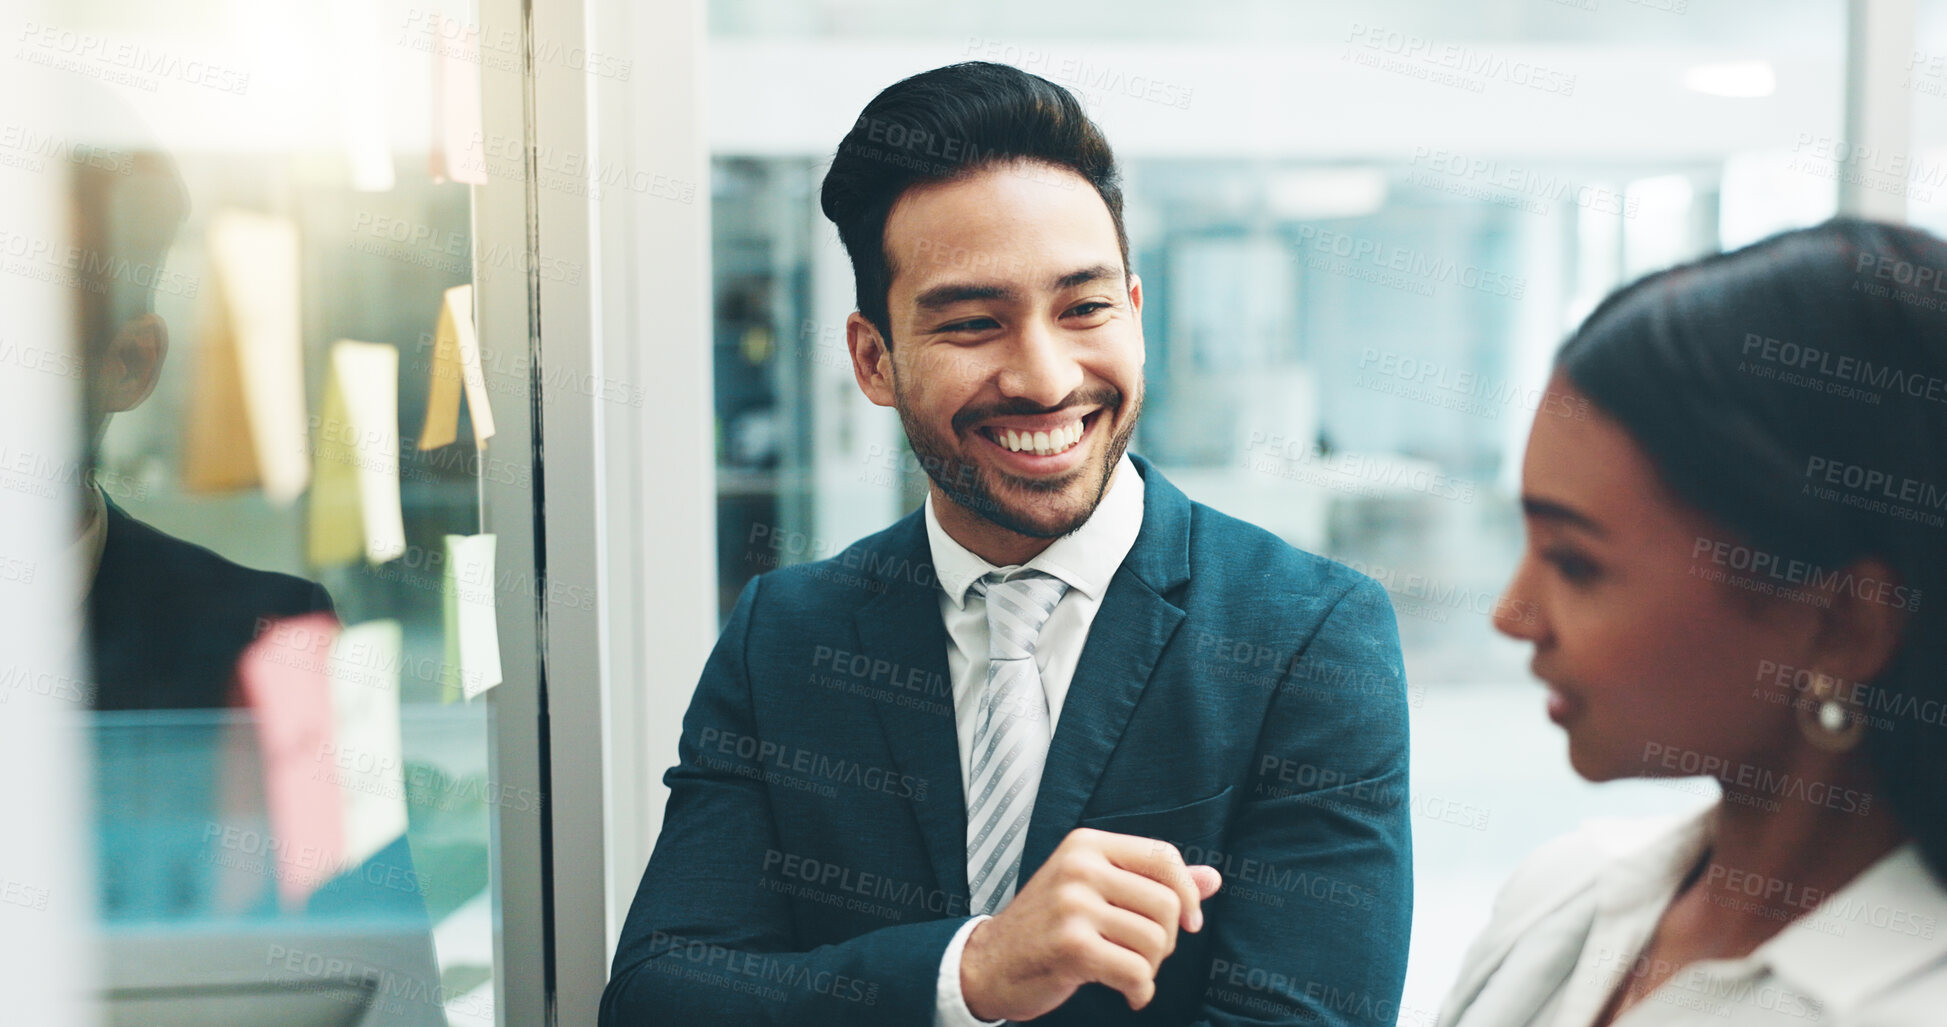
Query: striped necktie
pixel 1011 737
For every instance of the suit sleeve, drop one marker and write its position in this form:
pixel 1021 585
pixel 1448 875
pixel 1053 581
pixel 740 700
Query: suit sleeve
pixel 705 943
pixel 1312 924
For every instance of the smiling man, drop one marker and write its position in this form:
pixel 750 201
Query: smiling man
pixel 1062 745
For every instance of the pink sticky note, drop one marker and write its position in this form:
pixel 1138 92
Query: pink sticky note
pixel 285 677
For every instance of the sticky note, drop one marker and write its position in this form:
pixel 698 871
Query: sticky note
pixel 472 634
pixel 459 150
pixel 246 422
pixel 355 495
pixel 367 761
pixel 286 685
pixel 456 362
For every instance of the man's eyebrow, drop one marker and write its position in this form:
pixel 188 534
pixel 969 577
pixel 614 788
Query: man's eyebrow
pixel 1549 510
pixel 1086 275
pixel 950 293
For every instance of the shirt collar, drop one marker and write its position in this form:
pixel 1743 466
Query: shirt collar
pixel 1085 559
pixel 1885 924
pixel 84 554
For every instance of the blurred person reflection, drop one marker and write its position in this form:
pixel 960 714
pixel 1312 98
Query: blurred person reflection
pixel 1735 550
pixel 168 618
pixel 169 622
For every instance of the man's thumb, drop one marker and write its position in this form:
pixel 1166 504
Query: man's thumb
pixel 1208 880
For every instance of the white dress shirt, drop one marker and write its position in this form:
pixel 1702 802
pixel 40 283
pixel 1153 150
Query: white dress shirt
pixel 85 552
pixel 1575 919
pixel 1086 560
pixel 84 555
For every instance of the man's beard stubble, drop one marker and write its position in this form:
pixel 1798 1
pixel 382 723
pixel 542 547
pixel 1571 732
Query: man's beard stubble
pixel 966 482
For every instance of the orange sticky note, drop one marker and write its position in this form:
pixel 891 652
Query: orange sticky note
pixel 456 363
pixel 246 409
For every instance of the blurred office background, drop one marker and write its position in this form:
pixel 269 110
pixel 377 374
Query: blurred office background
pixel 1363 229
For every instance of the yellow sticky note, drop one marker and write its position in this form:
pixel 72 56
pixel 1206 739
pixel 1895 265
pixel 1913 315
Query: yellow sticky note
pixel 355 497
pixel 367 756
pixel 472 635
pixel 246 415
pixel 459 141
pixel 456 362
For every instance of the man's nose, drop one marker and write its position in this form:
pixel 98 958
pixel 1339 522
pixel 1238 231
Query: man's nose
pixel 1042 369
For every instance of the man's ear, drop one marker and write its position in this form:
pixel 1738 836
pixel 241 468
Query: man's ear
pixel 871 359
pixel 1861 629
pixel 1136 308
pixel 131 364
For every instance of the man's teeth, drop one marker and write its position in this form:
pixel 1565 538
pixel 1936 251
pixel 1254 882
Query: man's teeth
pixel 1040 443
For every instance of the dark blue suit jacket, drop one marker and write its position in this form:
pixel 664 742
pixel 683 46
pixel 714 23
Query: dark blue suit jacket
pixel 1236 697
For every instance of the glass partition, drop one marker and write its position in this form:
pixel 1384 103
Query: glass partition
pixel 274 256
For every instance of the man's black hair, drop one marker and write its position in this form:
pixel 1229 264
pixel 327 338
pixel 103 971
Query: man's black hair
pixel 945 124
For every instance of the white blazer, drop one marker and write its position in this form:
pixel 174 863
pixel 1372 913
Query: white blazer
pixel 1575 917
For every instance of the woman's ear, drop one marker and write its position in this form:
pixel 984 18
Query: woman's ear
pixel 1861 628
pixel 130 364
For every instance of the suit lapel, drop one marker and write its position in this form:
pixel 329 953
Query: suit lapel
pixel 902 625
pixel 1126 639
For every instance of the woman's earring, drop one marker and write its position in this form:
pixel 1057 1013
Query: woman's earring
pixel 1825 721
